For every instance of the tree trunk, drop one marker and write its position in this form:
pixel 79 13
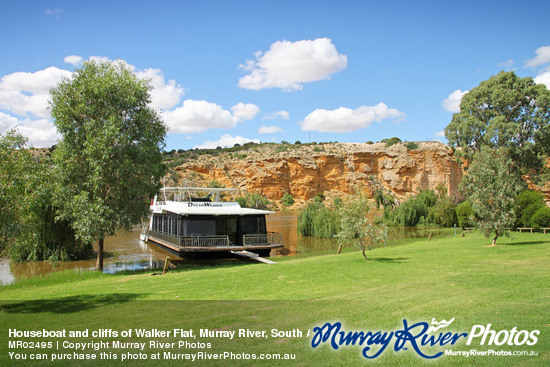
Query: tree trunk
pixel 339 249
pixel 365 255
pixel 494 240
pixel 99 261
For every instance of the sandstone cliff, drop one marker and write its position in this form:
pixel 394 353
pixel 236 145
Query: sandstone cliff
pixel 332 169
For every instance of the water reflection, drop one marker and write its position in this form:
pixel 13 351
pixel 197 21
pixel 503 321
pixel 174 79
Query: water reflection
pixel 126 252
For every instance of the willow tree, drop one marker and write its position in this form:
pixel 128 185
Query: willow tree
pixel 15 167
pixel 110 153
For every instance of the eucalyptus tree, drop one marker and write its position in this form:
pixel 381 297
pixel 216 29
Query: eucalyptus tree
pixel 505 111
pixel 355 227
pixel 492 188
pixel 110 154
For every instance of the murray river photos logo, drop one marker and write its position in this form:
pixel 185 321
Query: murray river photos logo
pixel 418 337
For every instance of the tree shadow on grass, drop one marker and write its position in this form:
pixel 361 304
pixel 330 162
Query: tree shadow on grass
pixel 523 243
pixel 69 304
pixel 389 259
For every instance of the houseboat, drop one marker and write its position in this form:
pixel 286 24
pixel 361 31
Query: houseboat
pixel 190 220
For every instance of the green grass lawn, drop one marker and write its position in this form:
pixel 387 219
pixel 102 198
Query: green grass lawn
pixel 506 286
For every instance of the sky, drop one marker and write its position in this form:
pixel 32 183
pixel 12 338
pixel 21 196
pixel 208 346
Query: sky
pixel 227 72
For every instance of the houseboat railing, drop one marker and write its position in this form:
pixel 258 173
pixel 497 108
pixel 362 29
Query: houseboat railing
pixel 262 239
pixel 249 240
pixel 174 240
pixel 205 241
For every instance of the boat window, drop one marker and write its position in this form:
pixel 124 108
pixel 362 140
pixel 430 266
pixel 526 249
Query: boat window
pixel 200 227
pixel 253 224
pixel 227 226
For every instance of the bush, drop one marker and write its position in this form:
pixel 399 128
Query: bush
pixel 464 214
pixel 287 199
pixel 254 201
pixel 527 204
pixel 391 141
pixel 411 145
pixel 541 218
pixel 215 184
pixel 282 148
pixel 239 155
pixel 319 197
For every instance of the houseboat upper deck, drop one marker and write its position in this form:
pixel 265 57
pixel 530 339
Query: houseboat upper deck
pixel 190 220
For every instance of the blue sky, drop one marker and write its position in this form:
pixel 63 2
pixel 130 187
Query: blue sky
pixel 234 71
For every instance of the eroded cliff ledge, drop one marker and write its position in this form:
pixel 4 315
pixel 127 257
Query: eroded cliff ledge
pixel 333 169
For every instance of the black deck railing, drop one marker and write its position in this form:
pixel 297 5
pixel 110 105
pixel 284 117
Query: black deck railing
pixel 249 240
pixel 205 241
pixel 262 239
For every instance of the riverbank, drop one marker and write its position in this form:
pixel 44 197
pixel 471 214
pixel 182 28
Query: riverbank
pixel 447 278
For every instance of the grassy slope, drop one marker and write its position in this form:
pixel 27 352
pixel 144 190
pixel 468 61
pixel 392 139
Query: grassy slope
pixel 506 286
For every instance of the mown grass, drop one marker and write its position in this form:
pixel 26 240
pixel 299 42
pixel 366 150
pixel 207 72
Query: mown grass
pixel 505 286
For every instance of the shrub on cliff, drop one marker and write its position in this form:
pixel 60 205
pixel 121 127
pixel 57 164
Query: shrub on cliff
pixel 254 201
pixel 287 199
pixel 391 141
pixel 411 145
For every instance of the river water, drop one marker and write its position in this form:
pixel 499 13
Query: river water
pixel 126 252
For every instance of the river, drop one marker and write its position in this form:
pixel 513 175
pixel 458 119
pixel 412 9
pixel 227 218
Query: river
pixel 125 251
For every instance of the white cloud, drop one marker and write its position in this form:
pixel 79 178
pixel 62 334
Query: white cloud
pixel 543 78
pixel 41 133
pixel 452 103
pixel 55 12
pixel 23 105
pixel 225 141
pixel 245 111
pixel 36 83
pixel 6 122
pixel 287 64
pixel 270 130
pixel 73 60
pixel 26 93
pixel 543 57
pixel 165 95
pixel 506 65
pixel 440 134
pixel 345 119
pixel 283 115
pixel 198 116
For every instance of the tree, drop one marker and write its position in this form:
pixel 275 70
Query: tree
pixel 110 154
pixel 492 188
pixel 28 228
pixel 15 167
pixel 504 111
pixel 464 214
pixel 355 227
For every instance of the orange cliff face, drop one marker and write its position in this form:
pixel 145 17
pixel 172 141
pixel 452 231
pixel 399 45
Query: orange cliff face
pixel 332 169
